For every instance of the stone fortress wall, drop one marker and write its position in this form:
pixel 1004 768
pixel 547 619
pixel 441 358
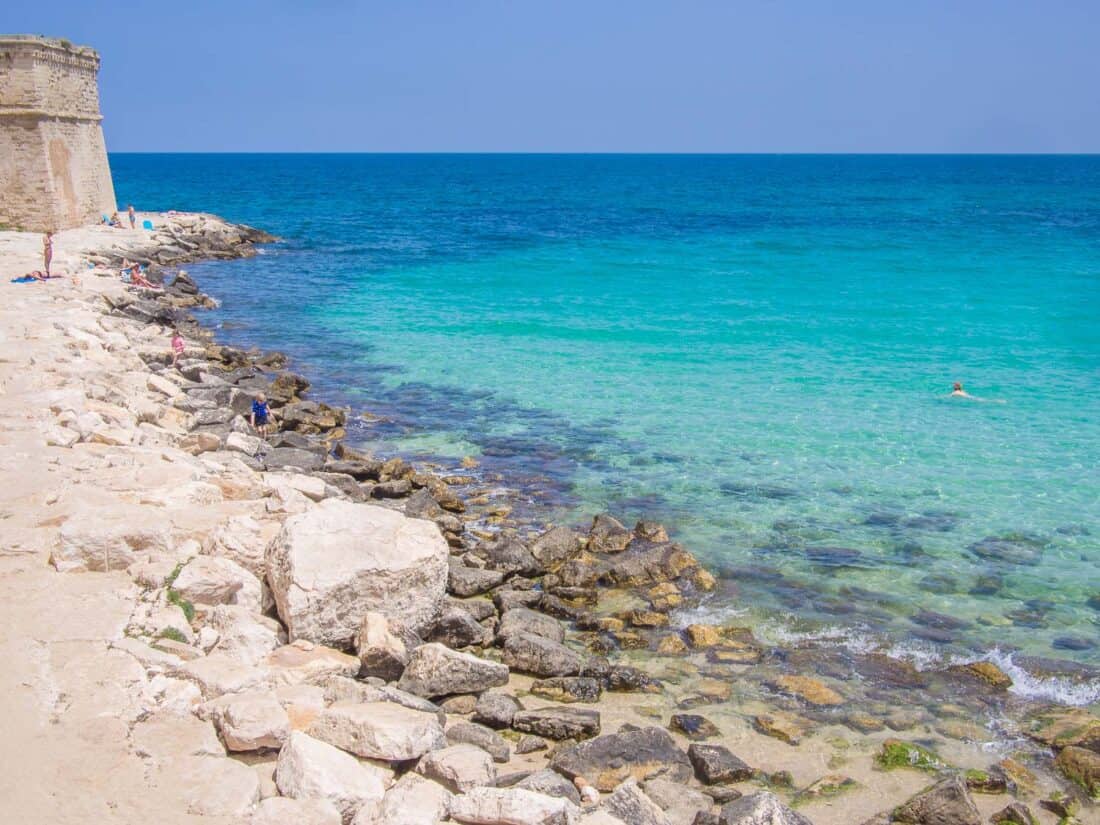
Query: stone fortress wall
pixel 53 159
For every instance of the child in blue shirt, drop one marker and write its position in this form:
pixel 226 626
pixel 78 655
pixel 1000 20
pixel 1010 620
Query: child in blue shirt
pixel 261 416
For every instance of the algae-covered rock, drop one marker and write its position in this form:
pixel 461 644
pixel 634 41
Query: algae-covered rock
pixel 1082 767
pixel 809 690
pixel 896 753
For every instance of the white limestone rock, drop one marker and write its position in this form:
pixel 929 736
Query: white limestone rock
pixel 310 769
pixel 215 786
pixel 458 768
pixel 303 662
pixel 280 810
pixel 414 800
pixel 379 730
pixel 91 541
pixel 249 637
pixel 512 806
pixel 332 565
pixel 211 580
pixel 240 539
pixel 250 721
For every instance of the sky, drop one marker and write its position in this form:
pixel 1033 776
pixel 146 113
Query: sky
pixel 595 76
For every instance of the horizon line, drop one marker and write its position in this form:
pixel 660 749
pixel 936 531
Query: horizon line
pixel 601 153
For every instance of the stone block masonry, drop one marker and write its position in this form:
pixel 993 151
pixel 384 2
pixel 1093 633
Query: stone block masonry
pixel 53 159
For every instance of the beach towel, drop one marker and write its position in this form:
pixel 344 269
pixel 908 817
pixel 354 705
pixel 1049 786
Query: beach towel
pixel 146 224
pixel 24 279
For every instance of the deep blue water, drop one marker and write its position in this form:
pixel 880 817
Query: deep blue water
pixel 754 349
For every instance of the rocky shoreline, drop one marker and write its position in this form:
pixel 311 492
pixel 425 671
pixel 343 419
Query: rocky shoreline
pixel 340 637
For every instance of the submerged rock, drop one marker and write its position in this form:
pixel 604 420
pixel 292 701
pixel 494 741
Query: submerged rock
pixel 715 764
pixel 1082 767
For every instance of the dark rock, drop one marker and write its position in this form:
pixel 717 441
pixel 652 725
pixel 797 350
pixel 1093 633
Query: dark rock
pixel 715 764
pixel 345 484
pixel 551 783
pixel 311 417
pixel 833 557
pixel 693 726
pixel 706 818
pixel 468 733
pixel 608 535
pixel 627 679
pixel 761 808
pixel 567 689
pixel 608 760
pixel 579 572
pixel 558 723
pixel 1072 643
pixel 939 621
pixel 392 489
pixel 540 657
pixel 556 606
pixel 509 555
pixel 496 710
pixel 359 470
pixel 879 668
pixel 653 564
pixel 298 442
pixel 722 793
pixel 530 744
pixel 1015 548
pixel 289 385
pixel 947 802
pixel 1015 814
pixel 509 598
pixel 651 531
pixel 555 546
pixel 470 581
pixel 456 628
pixel 480 609
pixel 292 458
pixel 522 620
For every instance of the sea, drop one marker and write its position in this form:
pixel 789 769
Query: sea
pixel 755 350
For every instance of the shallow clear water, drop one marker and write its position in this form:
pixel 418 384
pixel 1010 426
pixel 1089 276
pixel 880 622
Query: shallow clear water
pixel 754 349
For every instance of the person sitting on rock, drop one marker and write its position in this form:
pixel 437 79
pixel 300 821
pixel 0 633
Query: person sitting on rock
pixel 178 346
pixel 116 221
pixel 261 415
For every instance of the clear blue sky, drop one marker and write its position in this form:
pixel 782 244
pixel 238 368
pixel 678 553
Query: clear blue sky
pixel 637 76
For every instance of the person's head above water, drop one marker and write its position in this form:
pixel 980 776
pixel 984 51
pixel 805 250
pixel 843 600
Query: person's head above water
pixel 957 387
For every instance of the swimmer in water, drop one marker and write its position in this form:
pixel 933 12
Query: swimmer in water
pixel 957 391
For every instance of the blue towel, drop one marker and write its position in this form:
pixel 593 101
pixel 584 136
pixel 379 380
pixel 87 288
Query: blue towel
pixel 146 224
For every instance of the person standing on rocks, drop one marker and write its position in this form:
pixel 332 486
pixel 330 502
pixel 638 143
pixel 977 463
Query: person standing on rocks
pixel 47 250
pixel 260 415
pixel 133 217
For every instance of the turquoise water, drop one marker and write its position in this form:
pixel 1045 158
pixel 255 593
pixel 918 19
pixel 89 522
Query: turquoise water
pixel 756 350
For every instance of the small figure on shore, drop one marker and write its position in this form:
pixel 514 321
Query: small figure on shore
pixel 589 795
pixel 260 415
pixel 116 221
pixel 47 250
pixel 132 215
pixel 178 346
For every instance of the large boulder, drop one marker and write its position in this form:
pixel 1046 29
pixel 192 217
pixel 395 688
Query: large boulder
pixel 609 760
pixel 458 768
pixel 764 808
pixel 332 565
pixel 310 769
pixel 379 730
pixel 947 802
pixel 715 764
pixel 557 545
pixel 540 656
pixel 436 670
pixel 512 806
pixel 496 710
pixel 550 783
pixel 471 733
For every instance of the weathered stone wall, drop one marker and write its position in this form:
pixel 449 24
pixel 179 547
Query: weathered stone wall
pixel 53 160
